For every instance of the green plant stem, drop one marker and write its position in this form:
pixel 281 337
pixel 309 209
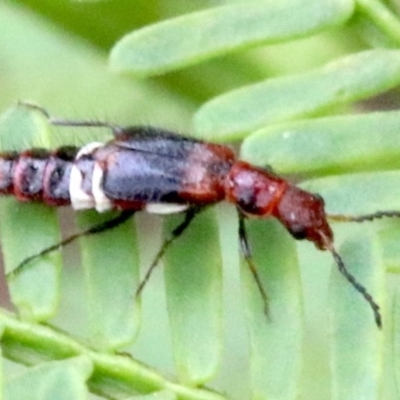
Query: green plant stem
pixel 114 376
pixel 382 17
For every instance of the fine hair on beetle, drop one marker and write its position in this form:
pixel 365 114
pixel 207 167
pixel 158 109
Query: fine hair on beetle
pixel 154 170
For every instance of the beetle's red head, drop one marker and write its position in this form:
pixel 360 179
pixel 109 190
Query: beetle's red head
pixel 303 215
pixel 259 192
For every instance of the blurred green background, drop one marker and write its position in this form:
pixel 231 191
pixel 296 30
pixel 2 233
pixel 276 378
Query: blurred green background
pixel 55 53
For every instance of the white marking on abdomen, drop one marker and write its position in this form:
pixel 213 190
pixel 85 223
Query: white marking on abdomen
pixel 102 202
pixel 165 208
pixel 80 200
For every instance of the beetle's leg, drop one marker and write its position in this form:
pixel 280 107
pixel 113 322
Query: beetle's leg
pixel 245 247
pixel 189 216
pixel 102 227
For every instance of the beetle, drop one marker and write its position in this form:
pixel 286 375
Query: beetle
pixel 158 171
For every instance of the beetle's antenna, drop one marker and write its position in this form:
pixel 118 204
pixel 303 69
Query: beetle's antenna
pixel 363 218
pixel 353 281
pixel 66 122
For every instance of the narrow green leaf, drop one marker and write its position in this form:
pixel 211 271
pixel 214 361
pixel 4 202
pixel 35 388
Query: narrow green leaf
pixel 393 346
pixel 27 229
pixel 2 377
pixel 192 38
pixel 390 239
pixel 110 261
pixel 342 81
pixel 61 380
pixel 162 395
pixel 357 345
pixel 194 297
pixel 358 194
pixel 381 15
pixel 276 341
pixel 328 145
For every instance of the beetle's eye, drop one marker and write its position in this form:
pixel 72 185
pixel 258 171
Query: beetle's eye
pixel 298 232
pixel 319 198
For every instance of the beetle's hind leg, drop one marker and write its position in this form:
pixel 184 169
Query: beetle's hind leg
pixel 101 227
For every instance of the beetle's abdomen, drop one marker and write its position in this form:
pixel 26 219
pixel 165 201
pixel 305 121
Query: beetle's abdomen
pixel 38 175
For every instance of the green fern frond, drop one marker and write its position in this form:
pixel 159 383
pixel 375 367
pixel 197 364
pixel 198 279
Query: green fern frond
pixel 283 76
